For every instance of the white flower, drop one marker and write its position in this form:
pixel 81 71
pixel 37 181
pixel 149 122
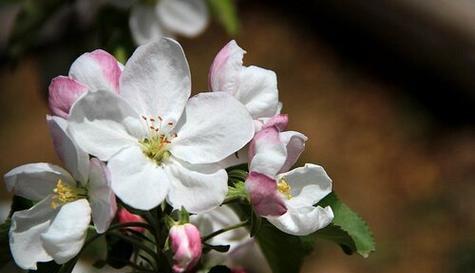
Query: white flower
pixel 244 252
pixel 56 227
pixel 253 86
pixel 167 17
pixel 157 141
pixel 286 198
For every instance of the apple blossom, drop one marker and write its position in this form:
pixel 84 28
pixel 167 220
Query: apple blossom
pixel 185 242
pixel 167 17
pixel 56 226
pixel 92 71
pixel 158 142
pixel 286 198
pixel 253 86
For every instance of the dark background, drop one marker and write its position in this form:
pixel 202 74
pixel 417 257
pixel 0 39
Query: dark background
pixel 383 89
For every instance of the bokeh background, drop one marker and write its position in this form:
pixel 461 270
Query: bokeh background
pixel 385 91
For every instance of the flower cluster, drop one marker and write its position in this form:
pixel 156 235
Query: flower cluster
pixel 140 155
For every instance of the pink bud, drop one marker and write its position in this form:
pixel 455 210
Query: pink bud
pixel 186 245
pixel 124 216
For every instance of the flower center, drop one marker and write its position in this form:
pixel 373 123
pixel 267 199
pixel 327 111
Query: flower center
pixel 64 193
pixel 155 146
pixel 284 188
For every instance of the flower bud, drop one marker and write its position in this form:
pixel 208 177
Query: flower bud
pixel 185 241
pixel 124 216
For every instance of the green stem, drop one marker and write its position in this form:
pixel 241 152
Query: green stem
pixel 152 219
pixel 223 230
pixel 71 264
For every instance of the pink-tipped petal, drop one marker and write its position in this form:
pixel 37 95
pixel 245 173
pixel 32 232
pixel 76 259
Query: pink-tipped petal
pixel 63 92
pixel 98 70
pixel 267 153
pixel 185 243
pixel 279 121
pixel 226 68
pixel 264 195
pixel 295 144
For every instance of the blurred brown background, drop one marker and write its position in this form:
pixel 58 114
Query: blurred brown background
pixel 383 89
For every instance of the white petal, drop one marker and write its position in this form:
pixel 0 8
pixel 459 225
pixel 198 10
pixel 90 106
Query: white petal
pixel 102 123
pixel 35 181
pixel 309 184
pixel 101 196
pixel 67 233
pixel 238 158
pixel 267 154
pixel 27 226
pixel 303 221
pixel 219 218
pixel 185 17
pixel 226 68
pixel 258 91
pixel 215 126
pixel 136 180
pixel 156 80
pixel 74 159
pixel 144 24
pixel 196 189
pixel 295 144
pixel 98 70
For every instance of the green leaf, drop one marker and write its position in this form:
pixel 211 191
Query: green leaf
pixel 5 255
pixel 348 229
pixel 285 253
pixel 225 12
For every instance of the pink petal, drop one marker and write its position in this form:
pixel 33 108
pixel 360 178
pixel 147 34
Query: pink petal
pixel 264 195
pixel 63 92
pixel 279 121
pixel 295 144
pixel 226 67
pixel 269 135
pixel 98 69
pixel 267 153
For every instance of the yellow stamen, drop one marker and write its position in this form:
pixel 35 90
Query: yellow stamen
pixel 64 193
pixel 284 188
pixel 155 146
